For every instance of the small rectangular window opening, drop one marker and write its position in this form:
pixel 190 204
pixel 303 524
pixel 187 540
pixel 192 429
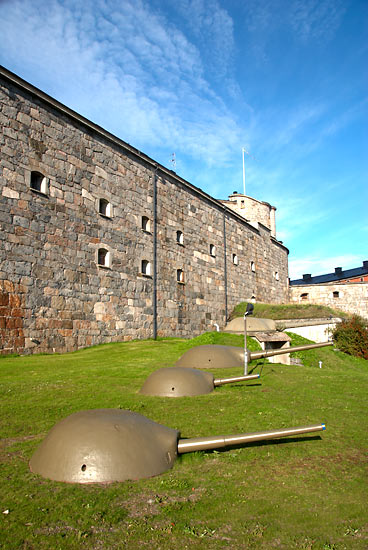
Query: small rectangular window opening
pixel 103 257
pixel 146 268
pixel 179 237
pixel 38 182
pixel 146 224
pixel 104 208
pixel 180 276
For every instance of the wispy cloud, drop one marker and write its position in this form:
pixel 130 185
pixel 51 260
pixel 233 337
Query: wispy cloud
pixel 291 212
pixel 213 26
pixel 316 20
pixel 346 117
pixel 131 58
pixel 307 19
pixel 293 122
pixel 301 22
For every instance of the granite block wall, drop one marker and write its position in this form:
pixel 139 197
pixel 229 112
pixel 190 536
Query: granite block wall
pixel 56 294
pixel 349 297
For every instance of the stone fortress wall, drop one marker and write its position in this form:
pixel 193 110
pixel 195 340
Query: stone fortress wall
pixel 351 297
pixel 101 244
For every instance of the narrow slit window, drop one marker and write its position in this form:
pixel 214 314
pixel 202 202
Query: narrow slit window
pixel 146 268
pixel 235 259
pixel 146 224
pixel 212 250
pixel 180 276
pixel 179 237
pixel 253 266
pixel 103 257
pixel 104 208
pixel 38 182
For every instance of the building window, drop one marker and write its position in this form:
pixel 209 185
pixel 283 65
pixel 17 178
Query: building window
pixel 38 182
pixel 304 296
pixel 103 257
pixel 104 208
pixel 212 250
pixel 180 276
pixel 146 268
pixel 335 294
pixel 277 276
pixel 235 259
pixel 146 224
pixel 180 237
pixel 253 266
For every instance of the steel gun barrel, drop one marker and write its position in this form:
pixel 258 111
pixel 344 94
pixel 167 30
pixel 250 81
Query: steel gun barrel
pixel 216 442
pixel 271 353
pixel 233 379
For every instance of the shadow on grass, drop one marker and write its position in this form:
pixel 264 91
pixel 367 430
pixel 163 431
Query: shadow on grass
pixel 239 386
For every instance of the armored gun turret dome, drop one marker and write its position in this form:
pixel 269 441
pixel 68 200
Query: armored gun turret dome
pixel 179 382
pixel 212 357
pixel 104 445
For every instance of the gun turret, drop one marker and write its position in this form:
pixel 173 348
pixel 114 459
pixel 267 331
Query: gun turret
pixel 179 382
pixel 221 357
pixel 106 445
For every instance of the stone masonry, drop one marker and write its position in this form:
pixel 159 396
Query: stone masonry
pixel 73 275
pixel 346 296
pixel 253 210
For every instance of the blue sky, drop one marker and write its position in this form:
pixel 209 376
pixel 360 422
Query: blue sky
pixel 286 79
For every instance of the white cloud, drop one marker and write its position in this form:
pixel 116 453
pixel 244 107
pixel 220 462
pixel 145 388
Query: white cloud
pixel 213 27
pixel 302 22
pixel 307 19
pixel 127 68
pixel 316 20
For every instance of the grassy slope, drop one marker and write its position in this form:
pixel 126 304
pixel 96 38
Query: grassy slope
pixel 304 493
pixel 288 311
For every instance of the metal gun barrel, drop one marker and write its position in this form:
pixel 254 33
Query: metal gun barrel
pixel 216 442
pixel 222 381
pixel 271 353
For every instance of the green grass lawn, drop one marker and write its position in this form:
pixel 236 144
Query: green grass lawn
pixel 307 492
pixel 288 311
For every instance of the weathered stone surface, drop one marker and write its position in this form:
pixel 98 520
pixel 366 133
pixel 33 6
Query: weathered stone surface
pixel 67 301
pixel 351 297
